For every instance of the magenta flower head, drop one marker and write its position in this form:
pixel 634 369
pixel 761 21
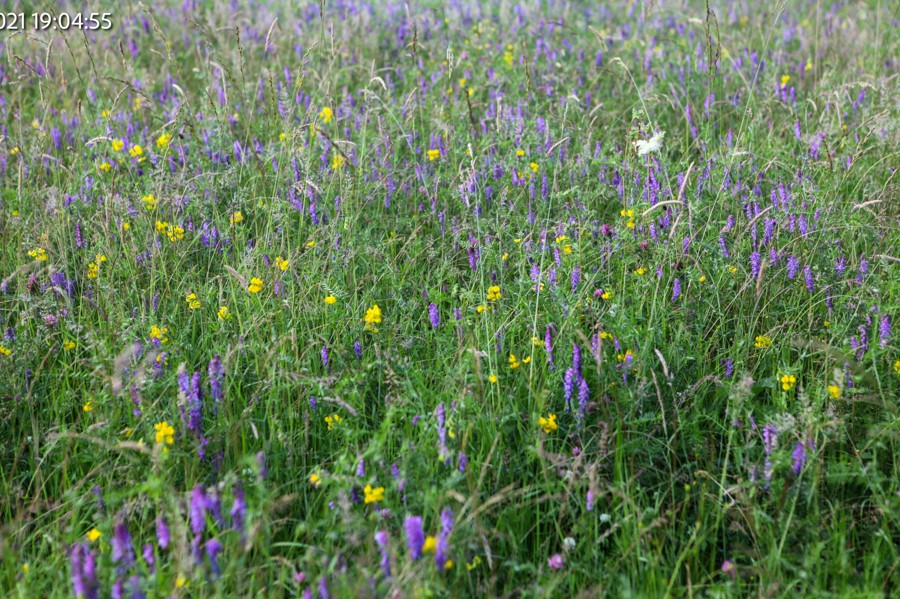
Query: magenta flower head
pixel 555 562
pixel 728 568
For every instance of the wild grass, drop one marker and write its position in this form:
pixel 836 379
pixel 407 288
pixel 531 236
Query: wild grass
pixel 592 371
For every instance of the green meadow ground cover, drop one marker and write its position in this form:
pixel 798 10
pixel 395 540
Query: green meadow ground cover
pixel 533 298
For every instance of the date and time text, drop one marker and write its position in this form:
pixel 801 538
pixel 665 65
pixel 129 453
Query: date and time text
pixel 46 21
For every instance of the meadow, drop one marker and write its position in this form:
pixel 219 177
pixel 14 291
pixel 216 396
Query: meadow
pixel 526 298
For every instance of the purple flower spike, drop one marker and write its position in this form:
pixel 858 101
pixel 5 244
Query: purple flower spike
pixel 415 536
pixel 162 533
pixel 213 549
pixel 434 315
pixel 198 510
pixel 381 539
pixel 83 566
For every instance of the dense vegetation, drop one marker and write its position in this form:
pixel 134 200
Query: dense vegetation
pixel 534 298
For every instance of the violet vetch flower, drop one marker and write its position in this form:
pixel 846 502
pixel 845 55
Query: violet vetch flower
pixel 799 457
pixel 793 265
pixel 884 331
pixel 548 345
pixel 443 540
pixel 325 359
pixel 807 273
pixel 676 289
pixel 576 360
pixel 381 539
pixel 198 510
pixel 122 549
pixel 415 536
pixel 239 511
pixel 434 315
pixel 755 264
pixel 357 349
pixel 83 567
pixel 162 533
pixel 584 394
pixel 213 549
pixel 569 387
pixel 216 374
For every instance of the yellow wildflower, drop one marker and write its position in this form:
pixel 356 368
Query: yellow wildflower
pixel 834 391
pixel 159 333
pixel 373 495
pixel 149 201
pixel 255 286
pixel 434 154
pixel 373 317
pixel 493 293
pixel 165 433
pixel 105 167
pixel 136 151
pixel 117 145
pixel 281 263
pixel 337 162
pixel 39 254
pixel 174 233
pixel 333 420
pixel 315 479
pixel 68 345
pixel 762 342
pixel 94 534
pixel 237 217
pixel 513 361
pixel 93 270
pixel 430 545
pixel 788 381
pixel 88 406
pixel 326 115
pixel 330 300
pixel 192 301
pixel 6 351
pixel 162 142
pixel 549 423
pixel 223 313
pixel 493 378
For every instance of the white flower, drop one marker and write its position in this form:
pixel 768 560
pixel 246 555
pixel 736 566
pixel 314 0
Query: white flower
pixel 654 144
